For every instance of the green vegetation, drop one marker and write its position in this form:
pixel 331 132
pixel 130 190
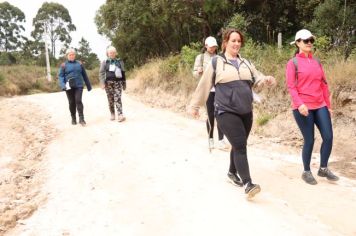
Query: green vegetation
pixel 11 19
pixel 263 118
pixel 52 22
pixel 141 30
pixel 172 77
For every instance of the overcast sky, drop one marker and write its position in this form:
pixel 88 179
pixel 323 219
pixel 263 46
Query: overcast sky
pixel 82 13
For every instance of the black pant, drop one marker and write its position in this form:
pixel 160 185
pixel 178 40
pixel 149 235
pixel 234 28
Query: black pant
pixel 237 128
pixel 74 96
pixel 211 117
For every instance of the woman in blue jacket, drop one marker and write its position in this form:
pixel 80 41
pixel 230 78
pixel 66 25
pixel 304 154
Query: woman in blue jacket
pixel 71 76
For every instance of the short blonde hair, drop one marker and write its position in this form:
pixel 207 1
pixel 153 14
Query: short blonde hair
pixel 111 49
pixel 69 50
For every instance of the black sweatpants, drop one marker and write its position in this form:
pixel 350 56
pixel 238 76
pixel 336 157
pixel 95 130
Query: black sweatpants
pixel 237 128
pixel 74 96
pixel 211 117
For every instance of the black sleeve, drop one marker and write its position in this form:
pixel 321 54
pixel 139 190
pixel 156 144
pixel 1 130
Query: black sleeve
pixel 86 79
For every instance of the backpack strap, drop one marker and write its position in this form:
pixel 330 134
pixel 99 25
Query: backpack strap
pixel 252 76
pixel 202 60
pixel 63 66
pixel 295 62
pixel 214 61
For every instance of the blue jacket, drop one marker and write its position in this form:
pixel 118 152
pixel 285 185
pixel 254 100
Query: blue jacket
pixel 75 70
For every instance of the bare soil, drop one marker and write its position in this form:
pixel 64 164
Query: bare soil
pixel 25 131
pixel 151 175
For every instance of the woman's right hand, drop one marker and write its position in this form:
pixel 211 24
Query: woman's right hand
pixel 200 70
pixel 193 112
pixel 303 109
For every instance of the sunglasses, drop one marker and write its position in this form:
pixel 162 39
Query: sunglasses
pixel 306 41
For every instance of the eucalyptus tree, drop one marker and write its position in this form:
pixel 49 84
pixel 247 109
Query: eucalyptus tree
pixel 85 54
pixel 54 21
pixel 11 28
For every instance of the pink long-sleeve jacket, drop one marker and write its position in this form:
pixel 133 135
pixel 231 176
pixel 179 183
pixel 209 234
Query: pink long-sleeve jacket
pixel 310 88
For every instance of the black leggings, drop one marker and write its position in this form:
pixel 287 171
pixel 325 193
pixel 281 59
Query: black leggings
pixel 211 117
pixel 74 96
pixel 237 129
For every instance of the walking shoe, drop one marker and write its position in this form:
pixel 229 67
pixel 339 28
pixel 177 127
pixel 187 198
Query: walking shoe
pixel 252 189
pixel 222 145
pixel 234 179
pixel 74 121
pixel 325 172
pixel 308 177
pixel 112 117
pixel 121 118
pixel 82 122
pixel 211 143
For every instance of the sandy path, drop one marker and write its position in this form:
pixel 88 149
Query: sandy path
pixel 153 175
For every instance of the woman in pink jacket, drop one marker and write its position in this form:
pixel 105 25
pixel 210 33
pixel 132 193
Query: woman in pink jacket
pixel 309 92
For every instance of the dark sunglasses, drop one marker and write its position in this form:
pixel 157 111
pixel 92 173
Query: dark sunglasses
pixel 306 41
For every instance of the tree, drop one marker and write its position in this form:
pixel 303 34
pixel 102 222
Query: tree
pixel 11 29
pixel 159 27
pixel 53 19
pixel 89 59
pixel 340 27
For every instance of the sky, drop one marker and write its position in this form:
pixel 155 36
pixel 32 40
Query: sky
pixel 82 14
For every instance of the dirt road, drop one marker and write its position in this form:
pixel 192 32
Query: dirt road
pixel 153 175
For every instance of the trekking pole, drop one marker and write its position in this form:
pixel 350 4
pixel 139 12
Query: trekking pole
pixel 210 148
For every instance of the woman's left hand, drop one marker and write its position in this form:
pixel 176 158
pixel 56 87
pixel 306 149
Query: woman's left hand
pixel 331 112
pixel 270 80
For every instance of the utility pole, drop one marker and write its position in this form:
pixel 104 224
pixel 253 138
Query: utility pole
pixel 47 59
pixel 279 40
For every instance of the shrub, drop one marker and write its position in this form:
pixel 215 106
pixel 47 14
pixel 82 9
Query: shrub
pixel 2 79
pixel 188 53
pixel 263 119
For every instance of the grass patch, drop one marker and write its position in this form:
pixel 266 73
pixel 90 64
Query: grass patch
pixel 263 119
pixel 172 76
pixel 23 79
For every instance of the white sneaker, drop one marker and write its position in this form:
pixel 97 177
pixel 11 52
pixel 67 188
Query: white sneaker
pixel 222 145
pixel 121 118
pixel 211 143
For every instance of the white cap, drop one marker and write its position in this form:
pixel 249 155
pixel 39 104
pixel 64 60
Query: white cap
pixel 211 42
pixel 302 34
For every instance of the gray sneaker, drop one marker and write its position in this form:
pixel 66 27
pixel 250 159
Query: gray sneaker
pixel 308 177
pixel 328 174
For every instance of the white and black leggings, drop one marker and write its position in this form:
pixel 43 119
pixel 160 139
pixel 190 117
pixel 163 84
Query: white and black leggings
pixel 237 128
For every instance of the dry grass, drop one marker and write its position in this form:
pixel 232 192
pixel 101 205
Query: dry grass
pixel 160 85
pixel 166 81
pixel 21 80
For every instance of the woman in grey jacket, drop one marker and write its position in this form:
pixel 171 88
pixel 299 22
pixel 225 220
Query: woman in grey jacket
pixel 233 103
pixel 113 80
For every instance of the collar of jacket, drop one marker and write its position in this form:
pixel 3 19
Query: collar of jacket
pixel 301 54
pixel 112 60
pixel 225 60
